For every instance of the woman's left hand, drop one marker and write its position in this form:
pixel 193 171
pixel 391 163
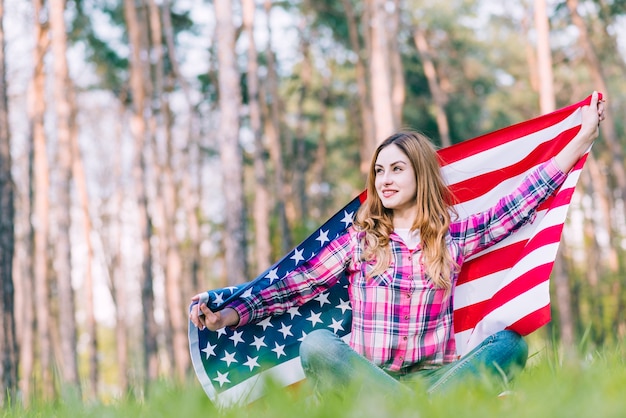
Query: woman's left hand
pixel 592 116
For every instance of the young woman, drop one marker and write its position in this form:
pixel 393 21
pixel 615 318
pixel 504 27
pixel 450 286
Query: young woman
pixel 402 257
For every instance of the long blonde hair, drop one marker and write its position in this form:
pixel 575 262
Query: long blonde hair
pixel 433 200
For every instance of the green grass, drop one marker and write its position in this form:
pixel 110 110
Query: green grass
pixel 592 386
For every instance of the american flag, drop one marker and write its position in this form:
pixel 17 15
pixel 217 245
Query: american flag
pixel 504 287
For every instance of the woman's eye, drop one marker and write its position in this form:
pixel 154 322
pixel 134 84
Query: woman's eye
pixel 397 169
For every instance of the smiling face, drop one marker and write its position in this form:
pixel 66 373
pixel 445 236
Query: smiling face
pixel 395 180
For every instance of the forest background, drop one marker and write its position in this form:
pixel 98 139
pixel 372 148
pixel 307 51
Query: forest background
pixel 152 149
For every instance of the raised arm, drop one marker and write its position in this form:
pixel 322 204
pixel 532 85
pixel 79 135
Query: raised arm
pixel 592 115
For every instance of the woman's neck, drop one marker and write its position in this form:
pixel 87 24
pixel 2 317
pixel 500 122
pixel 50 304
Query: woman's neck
pixel 403 219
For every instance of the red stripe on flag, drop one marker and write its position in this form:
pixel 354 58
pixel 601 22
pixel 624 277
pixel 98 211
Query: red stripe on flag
pixel 505 257
pixel 532 321
pixel 469 316
pixel 481 184
pixel 482 143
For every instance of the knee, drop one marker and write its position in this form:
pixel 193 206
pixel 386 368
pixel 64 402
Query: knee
pixel 315 345
pixel 518 347
pixel 513 349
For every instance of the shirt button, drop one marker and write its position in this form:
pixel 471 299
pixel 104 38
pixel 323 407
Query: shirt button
pixel 405 338
pixel 408 295
pixel 406 317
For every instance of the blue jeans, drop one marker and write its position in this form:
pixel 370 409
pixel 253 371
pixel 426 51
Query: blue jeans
pixel 330 364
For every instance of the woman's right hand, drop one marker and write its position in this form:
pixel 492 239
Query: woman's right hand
pixel 202 317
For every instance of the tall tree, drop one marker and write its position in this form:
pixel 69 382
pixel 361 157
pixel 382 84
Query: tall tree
pixel 91 327
pixel 270 101
pixel 547 104
pixel 261 214
pixel 63 259
pixel 440 97
pixel 167 199
pixel 380 70
pixel 8 342
pixel 140 76
pixel 609 133
pixel 41 203
pixel 366 128
pixel 230 150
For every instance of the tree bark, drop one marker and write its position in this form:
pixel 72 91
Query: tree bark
pixel 366 128
pixel 609 133
pixel 440 98
pixel 547 102
pixel 139 74
pixel 270 101
pixel 63 256
pixel 41 206
pixel 299 192
pixel 380 71
pixel 230 151
pixel 398 87
pixel 261 214
pixel 91 327
pixel 8 342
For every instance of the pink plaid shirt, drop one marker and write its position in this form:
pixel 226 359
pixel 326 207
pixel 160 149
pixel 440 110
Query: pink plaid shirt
pixel 399 319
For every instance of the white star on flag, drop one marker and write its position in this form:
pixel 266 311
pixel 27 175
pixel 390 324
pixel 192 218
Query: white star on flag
pixel 336 325
pixel 252 362
pixel 229 358
pixel 259 342
pixel 344 305
pixel 222 378
pixel 304 334
pixel 295 311
pixel 266 323
pixel 209 350
pixel 315 318
pixel 285 330
pixel 347 217
pixel 272 275
pixel 323 237
pixel 297 255
pixel 247 293
pixel 323 299
pixel 219 299
pixel 221 331
pixel 279 350
pixel 237 338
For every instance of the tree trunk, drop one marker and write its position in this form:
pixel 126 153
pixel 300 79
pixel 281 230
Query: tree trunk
pixel 118 283
pixel 139 74
pixel 440 98
pixel 8 342
pixel 173 263
pixel 230 151
pixel 398 87
pixel 366 128
pixel 547 101
pixel 319 193
pixel 80 180
pixel 41 206
pixel 380 71
pixel 261 214
pixel 299 193
pixel 63 256
pixel 270 99
pixel 609 133
pixel 547 104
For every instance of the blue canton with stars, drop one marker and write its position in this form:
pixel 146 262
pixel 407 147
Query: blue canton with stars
pixel 230 357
